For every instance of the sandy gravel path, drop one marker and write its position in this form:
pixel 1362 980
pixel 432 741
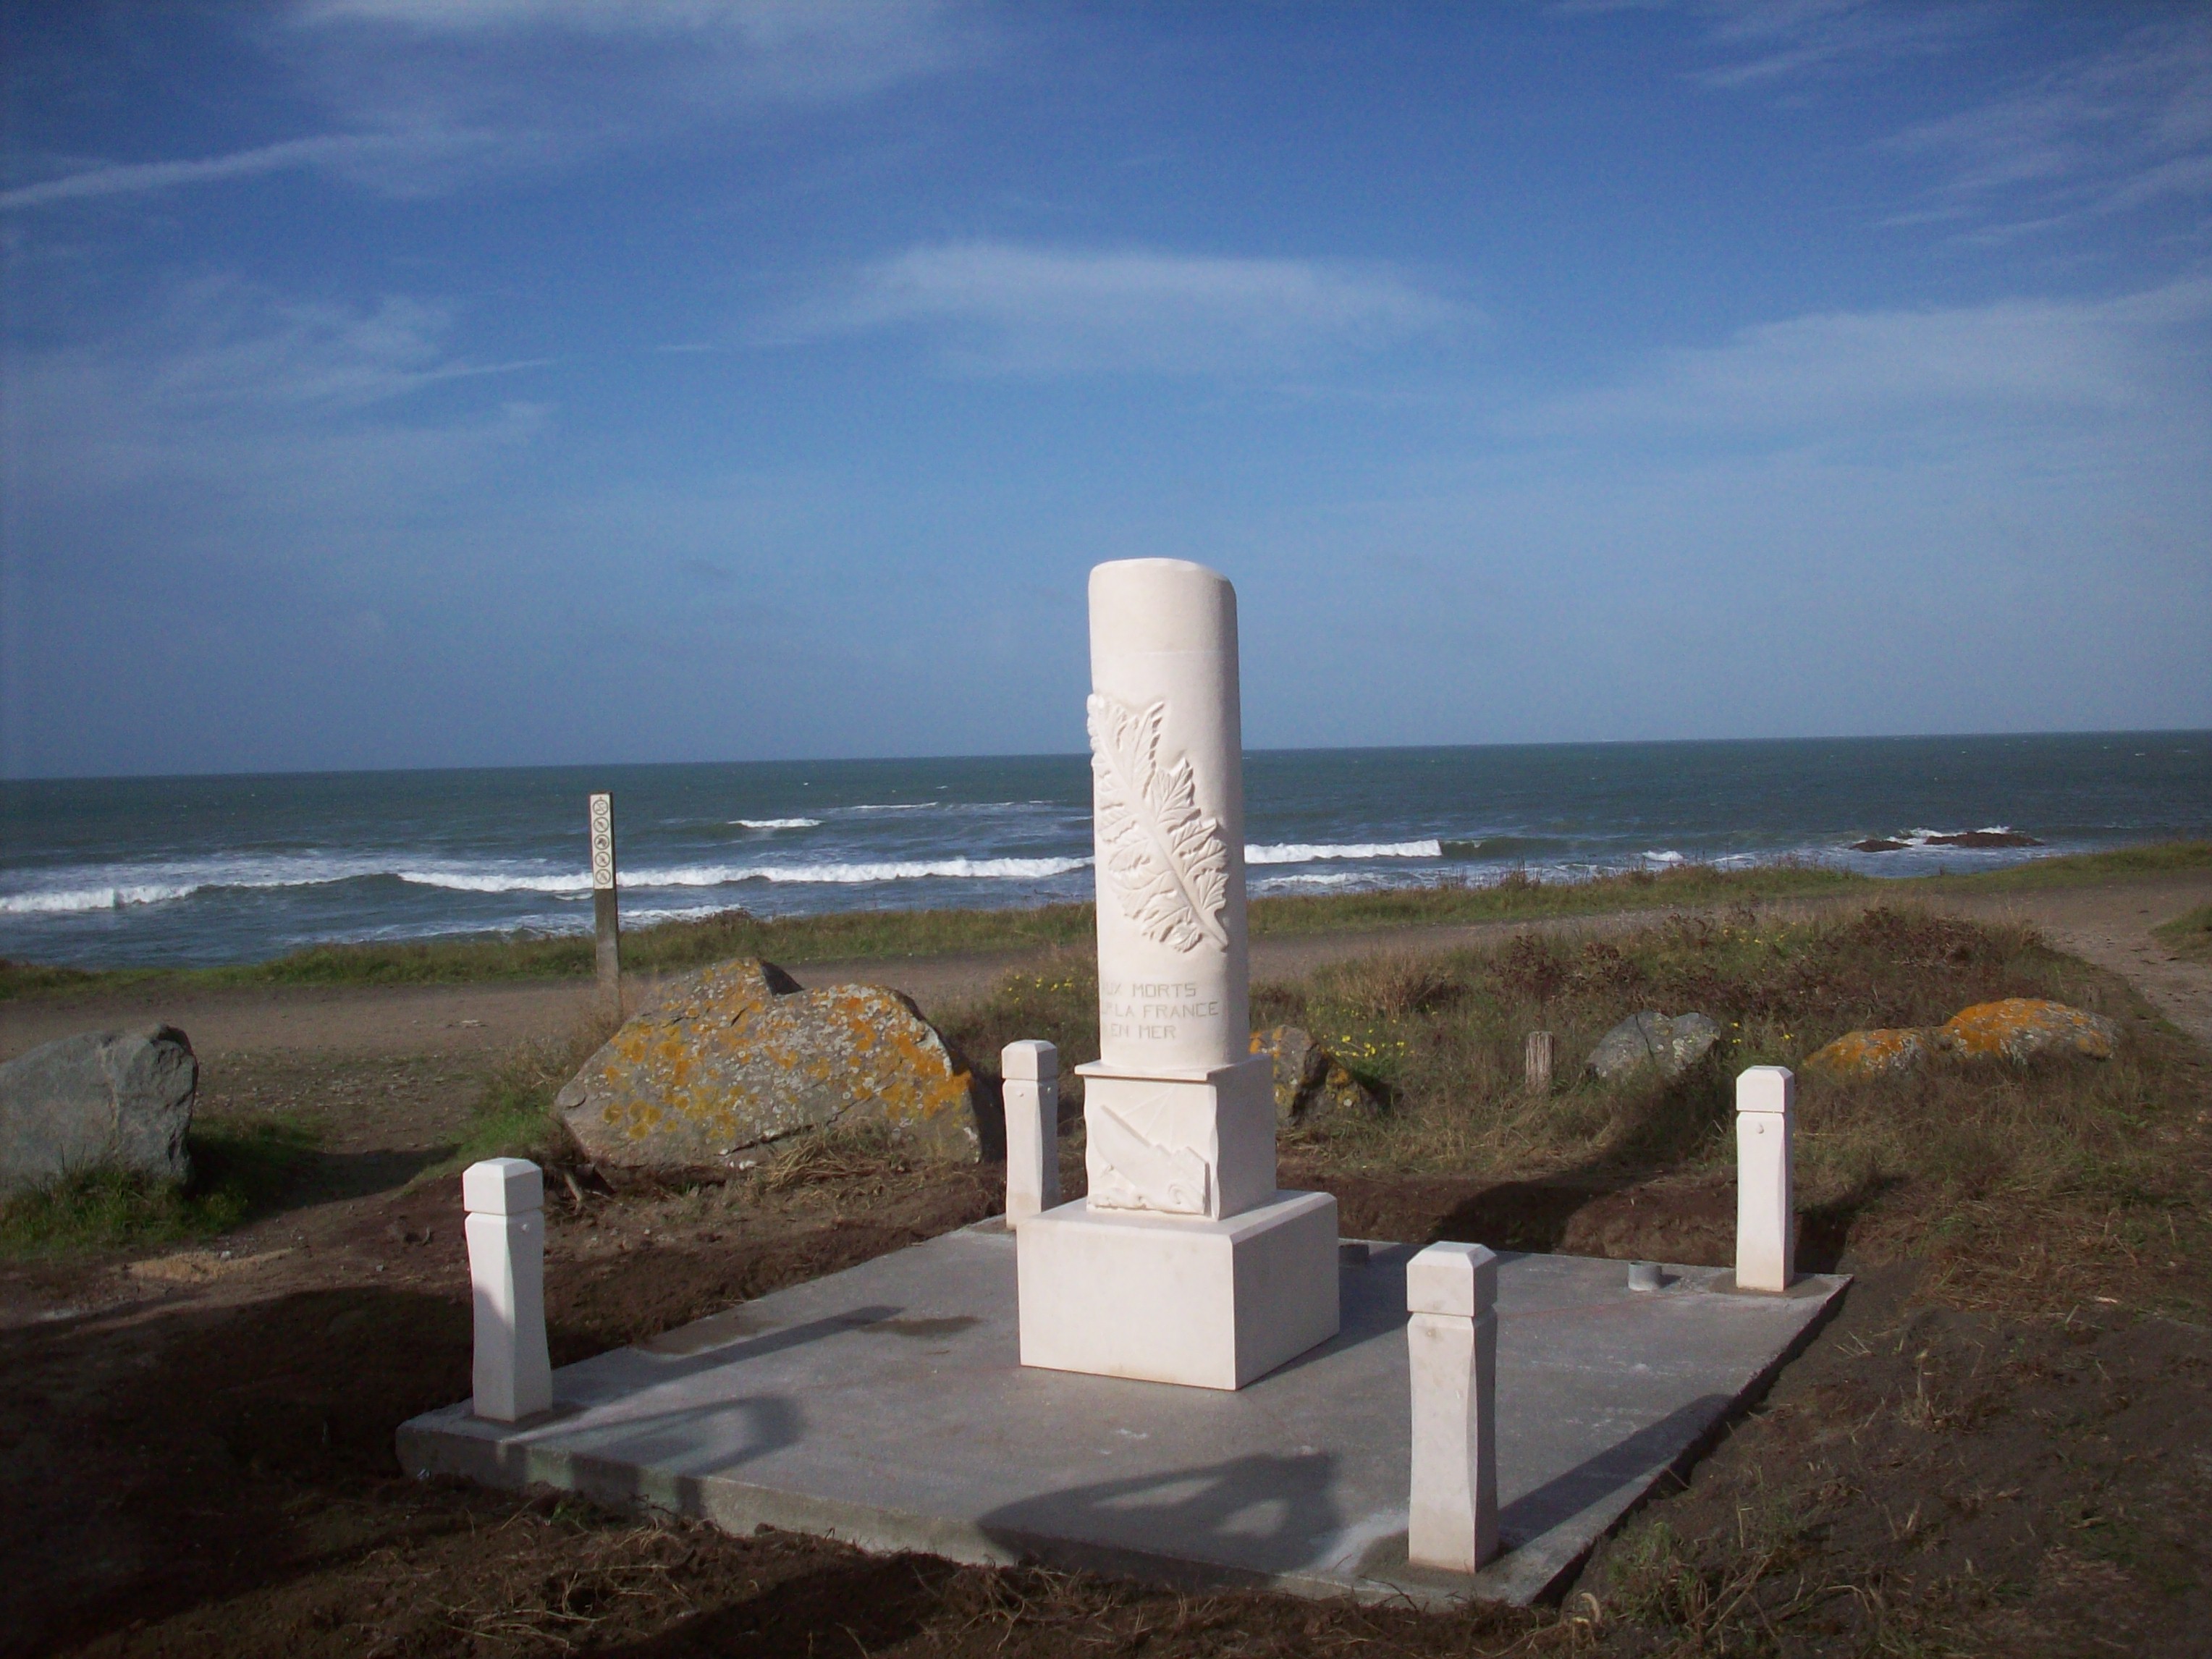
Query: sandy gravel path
pixel 2108 923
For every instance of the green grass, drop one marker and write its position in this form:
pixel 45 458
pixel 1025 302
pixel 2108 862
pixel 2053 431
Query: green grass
pixel 884 934
pixel 239 1169
pixel 514 1116
pixel 2189 934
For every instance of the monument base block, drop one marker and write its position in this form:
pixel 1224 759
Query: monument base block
pixel 1210 1304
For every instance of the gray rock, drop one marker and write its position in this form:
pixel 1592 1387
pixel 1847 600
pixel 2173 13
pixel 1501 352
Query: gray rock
pixel 1311 1085
pixel 1674 1045
pixel 100 1099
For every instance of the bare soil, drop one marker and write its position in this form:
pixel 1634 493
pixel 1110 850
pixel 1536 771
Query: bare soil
pixel 196 1446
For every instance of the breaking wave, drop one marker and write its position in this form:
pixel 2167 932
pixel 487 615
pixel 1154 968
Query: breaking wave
pixel 777 823
pixel 1299 852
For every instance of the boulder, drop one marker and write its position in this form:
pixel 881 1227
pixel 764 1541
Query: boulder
pixel 2019 1028
pixel 738 1056
pixel 1673 1044
pixel 97 1100
pixel 1311 1085
pixel 1862 1056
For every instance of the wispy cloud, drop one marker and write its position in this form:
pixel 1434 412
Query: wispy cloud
pixel 257 397
pixel 998 307
pixel 1842 376
pixel 2126 126
pixel 426 93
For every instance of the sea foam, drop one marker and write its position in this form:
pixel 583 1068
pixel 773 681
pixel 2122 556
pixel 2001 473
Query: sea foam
pixel 1299 852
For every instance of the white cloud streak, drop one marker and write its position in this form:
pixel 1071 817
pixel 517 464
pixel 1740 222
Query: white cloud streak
pixel 1002 307
pixel 1845 375
pixel 427 93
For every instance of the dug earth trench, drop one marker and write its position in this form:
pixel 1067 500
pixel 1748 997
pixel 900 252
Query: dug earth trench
pixel 197 1442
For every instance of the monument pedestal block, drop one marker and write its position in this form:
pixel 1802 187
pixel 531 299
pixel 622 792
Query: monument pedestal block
pixel 1208 1304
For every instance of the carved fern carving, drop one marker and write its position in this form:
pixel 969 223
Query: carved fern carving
pixel 1166 862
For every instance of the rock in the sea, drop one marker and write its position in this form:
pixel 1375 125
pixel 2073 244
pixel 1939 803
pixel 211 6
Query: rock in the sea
pixel 738 1056
pixel 2018 1029
pixel 99 1100
pixel 1862 1056
pixel 1674 1045
pixel 1311 1085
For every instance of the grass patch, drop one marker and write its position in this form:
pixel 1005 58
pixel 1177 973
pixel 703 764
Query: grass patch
pixel 675 946
pixel 2189 934
pixel 513 1117
pixel 239 1169
pixel 2031 1176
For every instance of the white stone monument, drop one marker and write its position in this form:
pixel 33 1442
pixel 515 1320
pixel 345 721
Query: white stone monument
pixel 1184 1264
pixel 1451 1339
pixel 1030 1090
pixel 1765 1231
pixel 505 1198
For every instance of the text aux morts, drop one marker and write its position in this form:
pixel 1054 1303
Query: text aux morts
pixel 1150 1009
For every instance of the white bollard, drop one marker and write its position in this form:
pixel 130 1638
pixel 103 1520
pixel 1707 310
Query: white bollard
pixel 1451 1336
pixel 1032 1091
pixel 1765 1233
pixel 505 1198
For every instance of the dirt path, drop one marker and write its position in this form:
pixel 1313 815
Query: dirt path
pixel 2107 923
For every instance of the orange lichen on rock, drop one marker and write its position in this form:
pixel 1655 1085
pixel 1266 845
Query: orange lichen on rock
pixel 739 1055
pixel 2018 1029
pixel 1858 1055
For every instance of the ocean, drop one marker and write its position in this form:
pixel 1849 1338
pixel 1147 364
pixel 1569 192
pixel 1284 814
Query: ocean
pixel 206 870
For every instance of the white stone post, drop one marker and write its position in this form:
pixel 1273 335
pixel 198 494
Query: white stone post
pixel 1451 1336
pixel 505 1198
pixel 1030 1089
pixel 1184 1263
pixel 1765 1231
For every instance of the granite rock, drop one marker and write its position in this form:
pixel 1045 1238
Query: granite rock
pixel 2019 1028
pixel 739 1056
pixel 1862 1056
pixel 1673 1044
pixel 97 1100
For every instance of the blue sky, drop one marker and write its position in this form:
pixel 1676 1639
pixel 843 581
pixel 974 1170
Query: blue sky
pixel 455 382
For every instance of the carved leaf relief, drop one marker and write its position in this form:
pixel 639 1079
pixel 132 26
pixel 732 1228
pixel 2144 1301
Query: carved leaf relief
pixel 1164 859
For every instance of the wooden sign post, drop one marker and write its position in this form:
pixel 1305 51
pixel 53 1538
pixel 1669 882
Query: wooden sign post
pixel 606 912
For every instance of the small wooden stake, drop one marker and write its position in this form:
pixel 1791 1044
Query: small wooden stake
pixel 1539 1062
pixel 606 909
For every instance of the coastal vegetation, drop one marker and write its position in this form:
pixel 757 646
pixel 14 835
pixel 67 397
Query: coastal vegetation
pixel 675 946
pixel 2018 1183
pixel 240 1168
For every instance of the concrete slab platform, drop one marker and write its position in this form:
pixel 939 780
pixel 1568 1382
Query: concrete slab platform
pixel 886 1405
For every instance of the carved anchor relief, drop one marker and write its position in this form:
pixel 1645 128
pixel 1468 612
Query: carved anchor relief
pixel 1166 862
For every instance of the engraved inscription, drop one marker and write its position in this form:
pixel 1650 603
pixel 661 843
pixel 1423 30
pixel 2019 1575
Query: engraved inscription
pixel 1166 862
pixel 1152 1009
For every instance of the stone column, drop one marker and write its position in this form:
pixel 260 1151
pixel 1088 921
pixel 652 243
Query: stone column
pixel 1184 1263
pixel 1030 1090
pixel 1451 1336
pixel 1167 822
pixel 505 1198
pixel 1765 1229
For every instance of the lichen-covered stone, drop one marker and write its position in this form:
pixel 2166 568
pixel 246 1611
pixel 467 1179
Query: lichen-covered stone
pixel 119 1100
pixel 1862 1056
pixel 1311 1085
pixel 739 1056
pixel 2019 1028
pixel 1674 1045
